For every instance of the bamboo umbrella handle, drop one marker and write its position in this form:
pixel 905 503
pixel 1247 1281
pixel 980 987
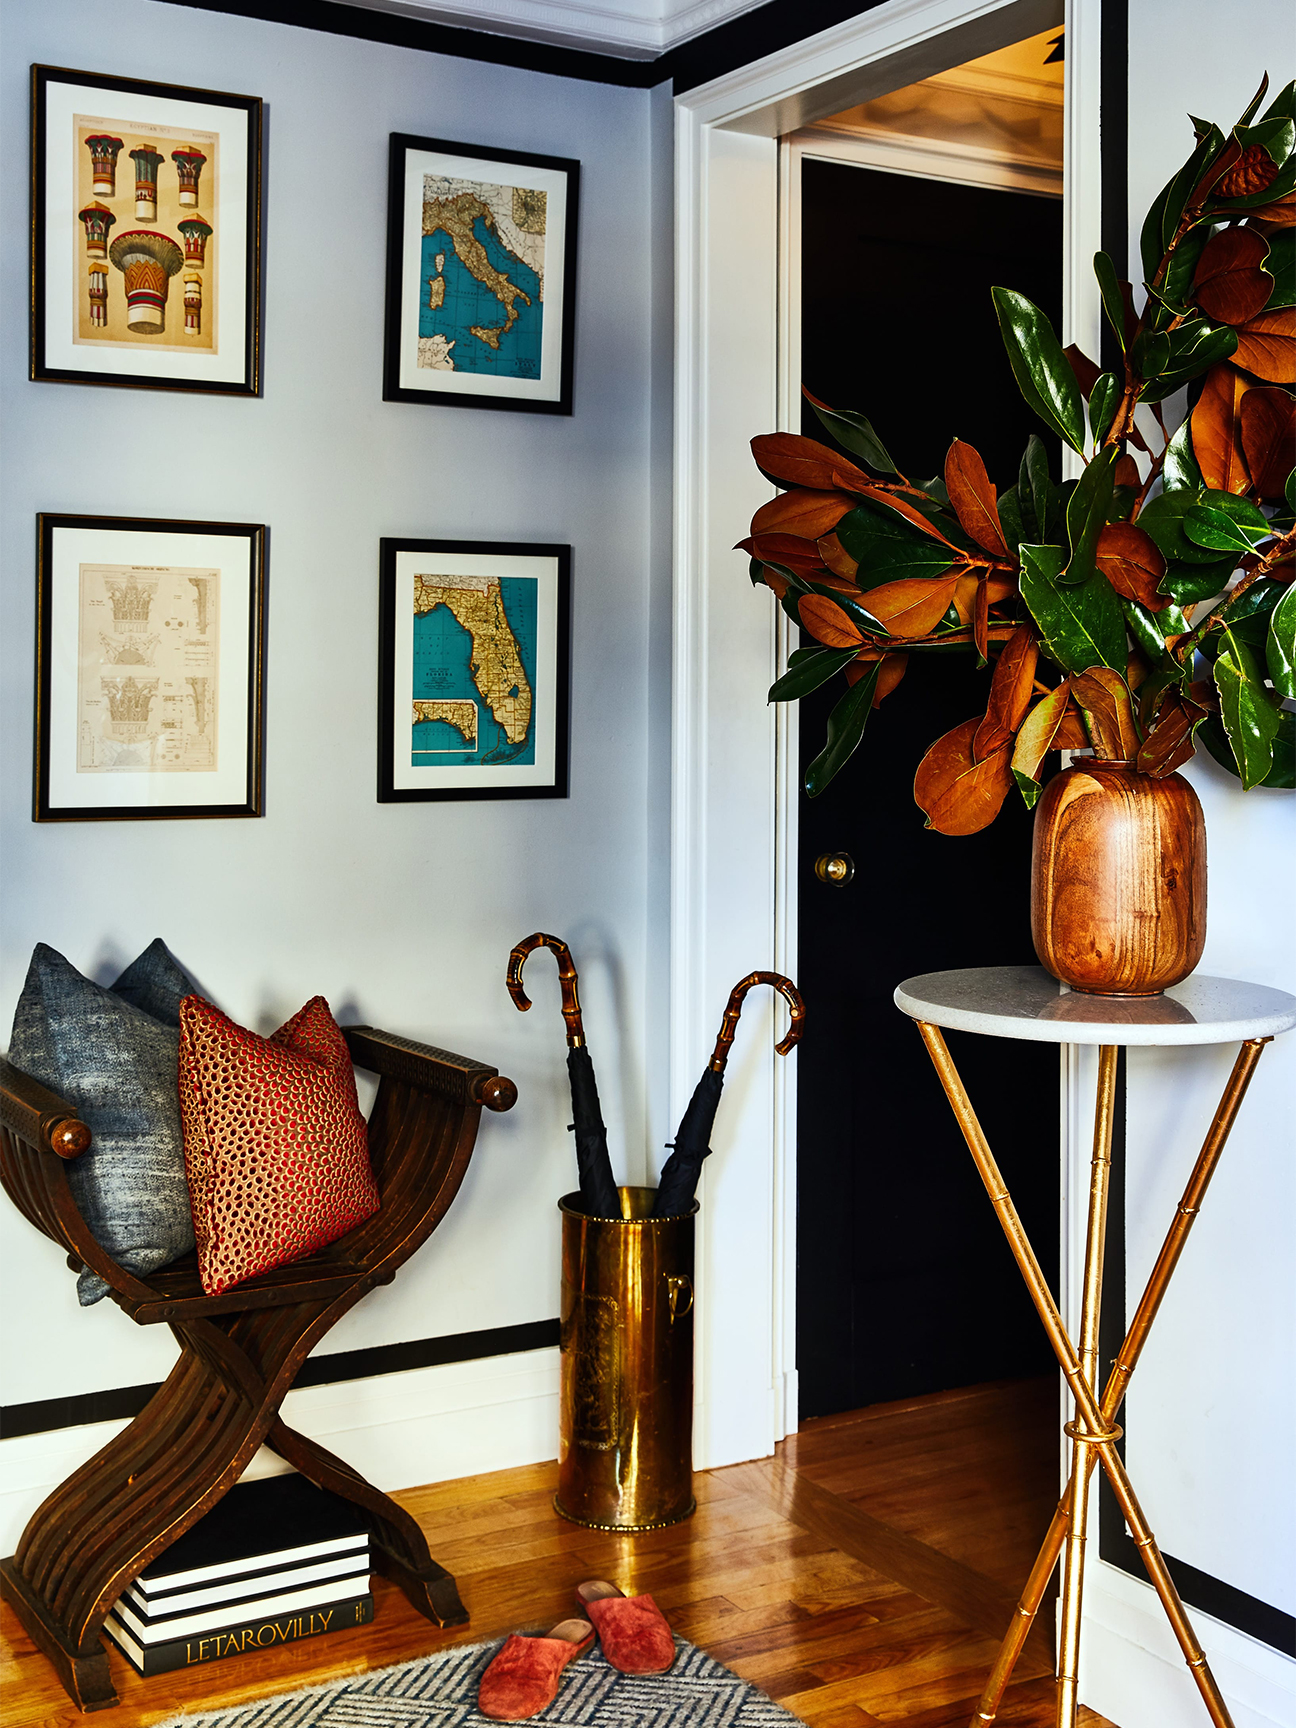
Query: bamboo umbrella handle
pixel 571 1008
pixel 791 995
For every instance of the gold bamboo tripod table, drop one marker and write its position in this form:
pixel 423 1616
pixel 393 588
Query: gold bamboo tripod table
pixel 1025 1002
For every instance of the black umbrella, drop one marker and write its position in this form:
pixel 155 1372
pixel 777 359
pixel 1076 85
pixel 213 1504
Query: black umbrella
pixel 598 1189
pixel 679 1179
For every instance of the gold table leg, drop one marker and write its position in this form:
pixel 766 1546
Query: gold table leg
pixel 1092 1429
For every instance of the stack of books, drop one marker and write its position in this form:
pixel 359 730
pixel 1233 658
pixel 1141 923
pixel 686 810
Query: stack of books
pixel 274 1561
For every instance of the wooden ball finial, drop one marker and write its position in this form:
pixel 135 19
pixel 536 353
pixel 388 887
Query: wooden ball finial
pixel 69 1138
pixel 497 1092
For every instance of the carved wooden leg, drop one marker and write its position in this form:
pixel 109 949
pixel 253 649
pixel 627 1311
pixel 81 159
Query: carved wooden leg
pixel 400 1550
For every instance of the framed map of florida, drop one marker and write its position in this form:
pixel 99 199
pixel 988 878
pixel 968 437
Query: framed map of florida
pixel 473 655
pixel 481 263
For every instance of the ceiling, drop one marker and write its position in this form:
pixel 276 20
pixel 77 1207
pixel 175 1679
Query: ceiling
pixel 631 29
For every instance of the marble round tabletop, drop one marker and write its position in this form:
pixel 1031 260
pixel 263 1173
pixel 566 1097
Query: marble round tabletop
pixel 1025 1002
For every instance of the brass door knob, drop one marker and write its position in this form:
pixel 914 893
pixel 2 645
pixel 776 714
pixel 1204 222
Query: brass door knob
pixel 835 868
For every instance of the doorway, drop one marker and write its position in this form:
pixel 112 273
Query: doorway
pixel 905 1285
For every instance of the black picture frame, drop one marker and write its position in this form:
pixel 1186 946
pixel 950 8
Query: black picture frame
pixel 549 673
pixel 550 391
pixel 223 267
pixel 79 560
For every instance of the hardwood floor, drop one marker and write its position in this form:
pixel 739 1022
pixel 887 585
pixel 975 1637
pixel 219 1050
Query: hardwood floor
pixel 860 1577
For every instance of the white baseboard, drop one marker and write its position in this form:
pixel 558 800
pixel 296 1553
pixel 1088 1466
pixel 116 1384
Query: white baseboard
pixel 1132 1671
pixel 400 1430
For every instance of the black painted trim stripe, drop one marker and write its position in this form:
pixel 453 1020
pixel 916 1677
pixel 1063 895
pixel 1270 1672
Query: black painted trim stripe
pixel 43 1415
pixel 739 42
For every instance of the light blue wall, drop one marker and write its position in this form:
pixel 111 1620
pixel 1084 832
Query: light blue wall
pixel 400 915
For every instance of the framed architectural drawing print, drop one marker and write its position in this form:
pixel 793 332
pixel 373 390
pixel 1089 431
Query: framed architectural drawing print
pixel 481 277
pixel 149 648
pixel 473 649
pixel 146 234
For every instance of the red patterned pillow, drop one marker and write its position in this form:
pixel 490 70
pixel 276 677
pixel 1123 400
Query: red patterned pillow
pixel 276 1150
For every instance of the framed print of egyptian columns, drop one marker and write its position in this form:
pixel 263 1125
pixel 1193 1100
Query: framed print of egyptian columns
pixel 481 277
pixel 149 653
pixel 146 234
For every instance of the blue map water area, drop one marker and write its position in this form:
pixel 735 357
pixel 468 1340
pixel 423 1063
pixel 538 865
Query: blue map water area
pixel 442 671
pixel 467 303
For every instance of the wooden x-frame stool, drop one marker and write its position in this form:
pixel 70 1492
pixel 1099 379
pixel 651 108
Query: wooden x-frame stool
pixel 239 1354
pixel 1024 1002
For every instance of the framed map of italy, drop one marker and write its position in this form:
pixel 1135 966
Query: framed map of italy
pixel 481 258
pixel 472 670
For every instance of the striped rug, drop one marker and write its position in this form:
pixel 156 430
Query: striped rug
pixel 441 1692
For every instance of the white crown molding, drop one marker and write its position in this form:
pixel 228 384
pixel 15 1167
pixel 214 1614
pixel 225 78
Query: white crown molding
pixel 633 30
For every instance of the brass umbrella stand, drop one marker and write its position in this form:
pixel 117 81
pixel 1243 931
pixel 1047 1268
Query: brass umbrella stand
pixel 1024 1002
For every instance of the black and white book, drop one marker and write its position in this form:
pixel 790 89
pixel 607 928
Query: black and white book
pixel 258 1531
pixel 240 1637
pixel 158 1628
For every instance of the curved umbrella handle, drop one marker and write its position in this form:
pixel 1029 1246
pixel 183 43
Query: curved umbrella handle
pixel 791 995
pixel 571 1008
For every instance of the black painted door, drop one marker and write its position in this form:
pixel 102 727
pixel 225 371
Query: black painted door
pixel 905 1284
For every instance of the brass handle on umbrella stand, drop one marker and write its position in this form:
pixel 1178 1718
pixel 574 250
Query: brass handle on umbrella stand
pixel 677 1288
pixel 571 1008
pixel 835 868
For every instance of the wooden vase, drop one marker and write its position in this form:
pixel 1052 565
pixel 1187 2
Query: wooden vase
pixel 1118 879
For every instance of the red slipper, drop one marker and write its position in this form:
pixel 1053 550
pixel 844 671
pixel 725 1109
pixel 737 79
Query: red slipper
pixel 632 1629
pixel 525 1674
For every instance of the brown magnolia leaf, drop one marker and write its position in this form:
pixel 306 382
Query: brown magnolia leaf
pixel 1071 733
pixel 1086 373
pixel 1126 472
pixel 1010 692
pixel 827 623
pixel 1103 695
pixel 892 501
pixel 1268 426
pixel 1170 742
pixel 1267 346
pixel 836 557
pixel 809 514
pixel 957 794
pixel 965 594
pixel 1000 588
pixel 1216 441
pixel 838 584
pixel 799 556
pixel 891 671
pixel 1136 669
pixel 973 498
pixel 1229 285
pixel 1280 214
pixel 1037 732
pixel 1249 172
pixel 912 606
pixel 796 461
pixel 981 622
pixel 779 585
pixel 1128 557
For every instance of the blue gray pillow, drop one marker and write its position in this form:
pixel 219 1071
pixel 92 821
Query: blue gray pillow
pixel 113 1053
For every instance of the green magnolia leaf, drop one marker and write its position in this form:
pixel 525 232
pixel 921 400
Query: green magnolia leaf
pixel 1238 509
pixel 1010 520
pixel 1112 298
pixel 1029 789
pixel 1150 354
pixel 1190 584
pixel 1180 470
pixel 854 433
pixel 1194 348
pixel 1163 518
pixel 1176 284
pixel 1122 503
pixel 1211 734
pixel 1103 398
pixel 1081 626
pixel 1258 601
pixel 1249 711
pixel 756 570
pixel 888 548
pixel 1282 776
pixel 1162 220
pixel 1289 490
pixel 1280 643
pixel 1275 135
pixel 1042 371
pixel 1035 489
pixel 846 726
pixel 1213 529
pixel 806 675
pixel 1281 265
pixel 1150 629
pixel 1283 105
pixel 1086 517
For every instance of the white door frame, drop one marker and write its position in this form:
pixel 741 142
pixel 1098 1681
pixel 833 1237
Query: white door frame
pixel 734 760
